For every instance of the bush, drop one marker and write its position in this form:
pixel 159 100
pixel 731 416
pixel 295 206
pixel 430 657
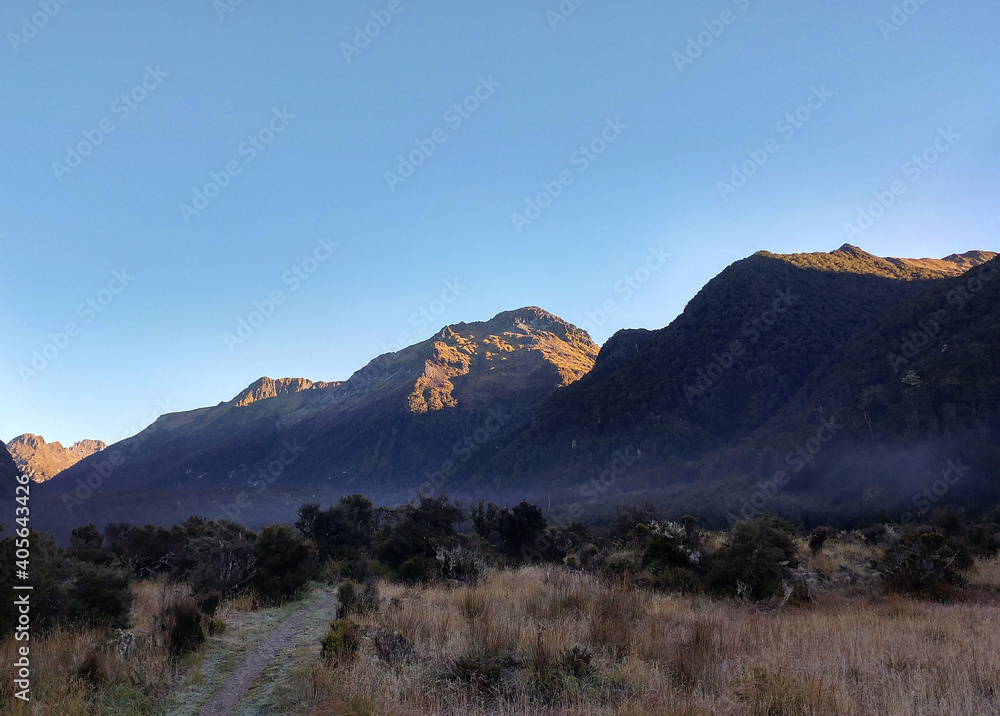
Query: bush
pixel 356 598
pixel 817 539
pixel 409 545
pixel 210 602
pixel 185 630
pixel 757 558
pixel 923 564
pixel 341 642
pixel 100 595
pixel 393 648
pixel 286 562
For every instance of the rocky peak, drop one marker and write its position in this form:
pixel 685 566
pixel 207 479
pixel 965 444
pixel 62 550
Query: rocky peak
pixel 44 460
pixel 264 388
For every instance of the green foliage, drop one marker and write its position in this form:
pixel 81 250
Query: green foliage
pixel 86 544
pixel 756 559
pixel 343 531
pixel 409 544
pixel 357 598
pixel 285 562
pixel 517 532
pixel 100 595
pixel 341 642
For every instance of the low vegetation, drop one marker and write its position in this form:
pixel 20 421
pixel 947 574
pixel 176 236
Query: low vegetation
pixel 490 610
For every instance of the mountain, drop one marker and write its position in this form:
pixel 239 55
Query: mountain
pixel 915 401
pixel 661 402
pixel 8 469
pixel 43 460
pixel 726 410
pixel 265 388
pixel 426 414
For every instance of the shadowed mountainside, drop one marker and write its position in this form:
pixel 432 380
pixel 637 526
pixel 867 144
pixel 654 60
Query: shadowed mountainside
pixel 741 349
pixel 426 412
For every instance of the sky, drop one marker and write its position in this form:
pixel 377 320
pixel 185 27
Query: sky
pixel 197 193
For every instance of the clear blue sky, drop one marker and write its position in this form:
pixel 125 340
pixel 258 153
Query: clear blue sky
pixel 550 88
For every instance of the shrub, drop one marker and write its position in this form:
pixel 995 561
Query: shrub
pixel 817 539
pixel 459 564
pixel 341 642
pixel 209 603
pixel 286 561
pixel 480 670
pixel 757 558
pixel 924 564
pixel 185 631
pixel 408 546
pixel 393 647
pixel 100 595
pixel 356 598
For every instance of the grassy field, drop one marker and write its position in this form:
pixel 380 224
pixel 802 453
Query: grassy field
pixel 555 640
pixel 547 640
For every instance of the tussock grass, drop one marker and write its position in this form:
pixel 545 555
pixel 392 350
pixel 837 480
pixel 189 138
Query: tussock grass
pixel 83 671
pixel 652 653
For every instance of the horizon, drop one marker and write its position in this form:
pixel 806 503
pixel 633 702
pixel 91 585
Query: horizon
pixel 459 162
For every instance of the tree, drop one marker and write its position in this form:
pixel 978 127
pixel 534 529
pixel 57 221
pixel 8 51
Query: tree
pixel 419 528
pixel 286 562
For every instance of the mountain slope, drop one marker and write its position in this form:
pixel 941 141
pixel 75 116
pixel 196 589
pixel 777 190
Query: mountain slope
pixel 742 348
pixel 43 460
pixel 432 408
pixel 916 402
pixel 8 468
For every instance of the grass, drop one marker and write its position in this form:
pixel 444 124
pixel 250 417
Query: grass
pixel 204 671
pixel 77 671
pixel 654 653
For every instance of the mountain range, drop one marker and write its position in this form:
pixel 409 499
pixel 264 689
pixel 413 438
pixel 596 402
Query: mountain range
pixel 823 385
pixel 43 460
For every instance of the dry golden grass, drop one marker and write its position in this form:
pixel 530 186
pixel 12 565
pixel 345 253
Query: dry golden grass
pixel 667 654
pixel 82 671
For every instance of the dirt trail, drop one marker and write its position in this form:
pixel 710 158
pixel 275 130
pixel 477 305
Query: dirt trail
pixel 228 696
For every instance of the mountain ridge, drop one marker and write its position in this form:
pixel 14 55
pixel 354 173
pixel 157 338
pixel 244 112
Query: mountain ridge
pixel 44 460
